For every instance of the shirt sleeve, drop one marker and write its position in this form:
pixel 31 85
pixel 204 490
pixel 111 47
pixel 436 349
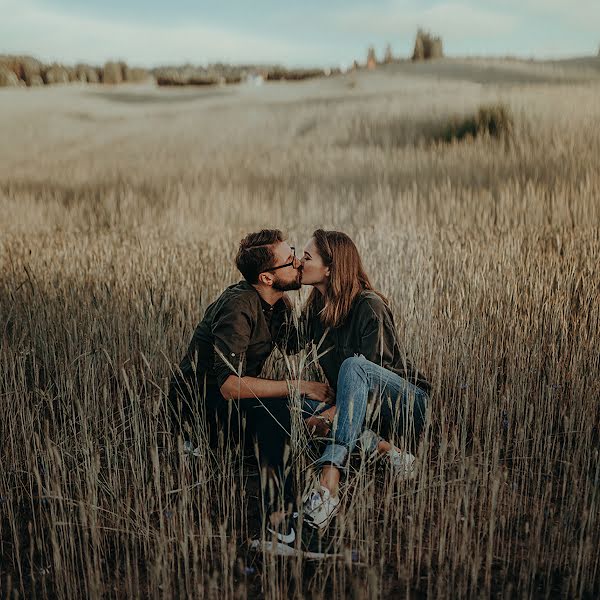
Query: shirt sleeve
pixel 231 329
pixel 377 333
pixel 379 343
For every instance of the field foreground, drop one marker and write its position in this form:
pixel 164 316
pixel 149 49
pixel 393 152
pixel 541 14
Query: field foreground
pixel 120 211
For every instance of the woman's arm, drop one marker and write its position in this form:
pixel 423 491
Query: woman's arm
pixel 320 425
pixel 379 342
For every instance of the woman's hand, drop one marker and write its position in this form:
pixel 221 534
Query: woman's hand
pixel 317 391
pixel 320 425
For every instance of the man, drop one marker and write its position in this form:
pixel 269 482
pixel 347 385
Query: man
pixel 218 383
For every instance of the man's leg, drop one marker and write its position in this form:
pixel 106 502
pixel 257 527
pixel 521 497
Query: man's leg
pixel 269 424
pixel 179 407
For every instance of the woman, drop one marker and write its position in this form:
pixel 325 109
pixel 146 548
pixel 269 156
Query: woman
pixel 360 354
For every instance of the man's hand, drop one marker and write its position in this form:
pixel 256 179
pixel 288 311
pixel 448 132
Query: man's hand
pixel 317 391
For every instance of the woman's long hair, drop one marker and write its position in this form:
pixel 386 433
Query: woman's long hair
pixel 347 278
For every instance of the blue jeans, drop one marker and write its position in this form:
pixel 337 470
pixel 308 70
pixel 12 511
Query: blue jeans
pixel 399 407
pixel 312 407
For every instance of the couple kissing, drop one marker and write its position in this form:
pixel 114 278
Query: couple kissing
pixel 373 394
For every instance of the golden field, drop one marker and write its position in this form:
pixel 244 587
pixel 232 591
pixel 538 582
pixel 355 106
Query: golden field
pixel 120 212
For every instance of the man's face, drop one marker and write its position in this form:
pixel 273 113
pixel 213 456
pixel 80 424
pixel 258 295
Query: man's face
pixel 290 277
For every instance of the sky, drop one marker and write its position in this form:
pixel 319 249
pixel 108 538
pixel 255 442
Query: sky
pixel 299 33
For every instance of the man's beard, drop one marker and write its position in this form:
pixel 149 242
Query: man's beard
pixel 287 286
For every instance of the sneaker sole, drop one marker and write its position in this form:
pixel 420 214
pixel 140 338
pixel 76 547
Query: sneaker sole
pixel 325 524
pixel 320 555
pixel 279 549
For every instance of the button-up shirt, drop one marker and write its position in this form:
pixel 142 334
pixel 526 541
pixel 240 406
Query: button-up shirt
pixel 236 336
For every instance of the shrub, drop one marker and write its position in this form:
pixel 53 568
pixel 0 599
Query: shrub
pixel 113 73
pixel 494 120
pixel 87 74
pixel 26 68
pixel 171 76
pixel 55 74
pixel 72 74
pixel 282 73
pixel 7 77
pixel 35 81
pixel 202 80
pixel 31 71
pixel 136 74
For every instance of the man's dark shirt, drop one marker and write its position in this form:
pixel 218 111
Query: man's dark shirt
pixel 243 328
pixel 368 330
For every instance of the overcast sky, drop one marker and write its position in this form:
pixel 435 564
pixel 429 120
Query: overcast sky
pixel 300 32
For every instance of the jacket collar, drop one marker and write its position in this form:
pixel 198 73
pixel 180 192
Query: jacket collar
pixel 279 305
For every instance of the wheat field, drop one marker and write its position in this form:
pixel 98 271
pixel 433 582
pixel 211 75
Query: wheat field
pixel 120 212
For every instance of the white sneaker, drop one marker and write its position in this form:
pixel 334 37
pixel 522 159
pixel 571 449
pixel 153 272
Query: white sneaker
pixel 190 450
pixel 403 463
pixel 319 507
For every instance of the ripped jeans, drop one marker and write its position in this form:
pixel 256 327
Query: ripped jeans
pixel 398 407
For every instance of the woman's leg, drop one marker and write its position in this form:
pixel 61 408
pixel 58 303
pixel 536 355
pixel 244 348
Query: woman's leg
pixel 358 378
pixel 351 406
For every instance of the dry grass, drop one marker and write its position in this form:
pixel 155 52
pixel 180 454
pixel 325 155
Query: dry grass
pixel 119 220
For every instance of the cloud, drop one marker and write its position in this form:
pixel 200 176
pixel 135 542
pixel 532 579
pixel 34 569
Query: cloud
pixel 452 20
pixel 51 35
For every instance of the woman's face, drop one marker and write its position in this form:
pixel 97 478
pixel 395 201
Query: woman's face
pixel 314 272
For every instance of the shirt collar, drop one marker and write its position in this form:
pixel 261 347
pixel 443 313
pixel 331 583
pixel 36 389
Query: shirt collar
pixel 279 305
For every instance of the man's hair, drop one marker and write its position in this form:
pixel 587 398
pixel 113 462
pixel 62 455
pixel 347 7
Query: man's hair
pixel 255 253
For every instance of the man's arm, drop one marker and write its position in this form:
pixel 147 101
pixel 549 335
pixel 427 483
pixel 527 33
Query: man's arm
pixel 235 387
pixel 232 329
pixel 250 387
